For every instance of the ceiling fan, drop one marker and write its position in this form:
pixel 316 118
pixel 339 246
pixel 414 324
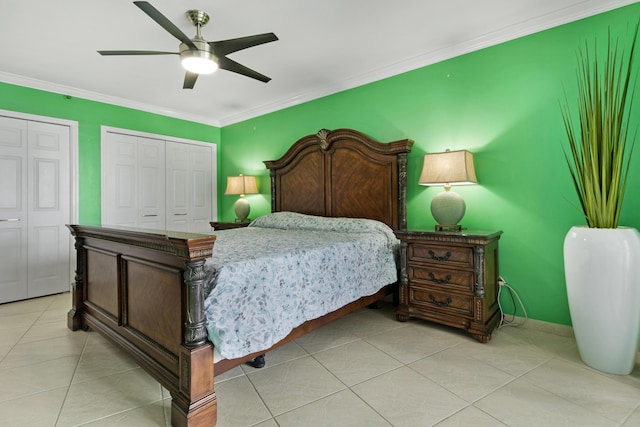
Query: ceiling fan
pixel 199 56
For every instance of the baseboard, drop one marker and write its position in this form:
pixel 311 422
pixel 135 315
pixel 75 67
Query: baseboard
pixel 540 325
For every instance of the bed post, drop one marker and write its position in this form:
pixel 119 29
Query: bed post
pixel 195 333
pixel 74 319
pixel 195 403
pixel 272 178
pixel 402 191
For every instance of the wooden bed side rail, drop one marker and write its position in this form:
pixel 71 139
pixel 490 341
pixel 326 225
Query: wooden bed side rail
pixel 142 289
pixel 311 325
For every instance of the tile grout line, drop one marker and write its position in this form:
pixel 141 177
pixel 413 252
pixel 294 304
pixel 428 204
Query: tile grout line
pixel 66 395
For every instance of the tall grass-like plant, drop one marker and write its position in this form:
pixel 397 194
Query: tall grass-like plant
pixel 599 147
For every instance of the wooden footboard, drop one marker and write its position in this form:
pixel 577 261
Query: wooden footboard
pixel 144 292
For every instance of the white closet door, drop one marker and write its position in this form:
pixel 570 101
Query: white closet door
pixel 34 208
pixel 178 186
pixel 120 180
pixel 200 179
pixel 49 209
pixel 189 189
pixel 151 182
pixel 156 184
pixel 133 177
pixel 13 209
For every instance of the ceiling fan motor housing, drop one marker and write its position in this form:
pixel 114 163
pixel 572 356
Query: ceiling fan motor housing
pixel 203 56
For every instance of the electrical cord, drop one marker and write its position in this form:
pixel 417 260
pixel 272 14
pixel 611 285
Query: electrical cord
pixel 514 295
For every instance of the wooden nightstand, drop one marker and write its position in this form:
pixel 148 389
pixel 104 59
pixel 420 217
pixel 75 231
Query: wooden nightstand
pixel 450 278
pixel 228 225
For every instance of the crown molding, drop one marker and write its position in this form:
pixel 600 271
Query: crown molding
pixel 107 99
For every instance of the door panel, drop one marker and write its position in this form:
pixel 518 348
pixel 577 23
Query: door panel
pixel 49 209
pixel 47 258
pixel 12 264
pixel 35 189
pixel 120 180
pixel 13 210
pixel 200 169
pixel 178 195
pixel 151 182
pixel 11 180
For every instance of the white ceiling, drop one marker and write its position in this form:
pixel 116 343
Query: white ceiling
pixel 325 46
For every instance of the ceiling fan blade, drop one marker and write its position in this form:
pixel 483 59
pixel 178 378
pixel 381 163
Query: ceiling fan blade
pixel 135 52
pixel 189 80
pixel 164 22
pixel 225 47
pixel 225 63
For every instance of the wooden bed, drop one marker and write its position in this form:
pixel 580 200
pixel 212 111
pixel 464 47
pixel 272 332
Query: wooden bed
pixel 142 289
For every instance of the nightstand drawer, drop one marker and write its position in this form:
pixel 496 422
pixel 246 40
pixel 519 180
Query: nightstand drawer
pixel 462 280
pixel 455 255
pixel 441 301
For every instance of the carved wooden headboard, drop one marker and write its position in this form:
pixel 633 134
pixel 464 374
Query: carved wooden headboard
pixel 343 173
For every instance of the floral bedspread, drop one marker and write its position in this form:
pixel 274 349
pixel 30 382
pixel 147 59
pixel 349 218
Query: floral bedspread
pixel 287 268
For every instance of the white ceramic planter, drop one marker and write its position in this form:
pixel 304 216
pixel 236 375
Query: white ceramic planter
pixel 602 270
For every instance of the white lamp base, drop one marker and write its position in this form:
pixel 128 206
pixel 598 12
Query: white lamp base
pixel 242 209
pixel 448 209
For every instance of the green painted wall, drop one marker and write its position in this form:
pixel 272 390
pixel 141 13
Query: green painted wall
pixel 90 115
pixel 501 103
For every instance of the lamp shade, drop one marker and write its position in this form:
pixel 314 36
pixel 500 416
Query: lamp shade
pixel 448 168
pixel 242 184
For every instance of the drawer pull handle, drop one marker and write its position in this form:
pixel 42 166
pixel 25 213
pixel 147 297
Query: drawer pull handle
pixel 444 303
pixel 440 258
pixel 440 281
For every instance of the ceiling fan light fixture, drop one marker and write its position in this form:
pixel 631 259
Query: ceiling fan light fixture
pixel 200 60
pixel 199 64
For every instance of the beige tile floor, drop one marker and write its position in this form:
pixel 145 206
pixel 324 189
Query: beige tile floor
pixel 366 369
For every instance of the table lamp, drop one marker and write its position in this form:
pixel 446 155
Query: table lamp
pixel 447 169
pixel 241 185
